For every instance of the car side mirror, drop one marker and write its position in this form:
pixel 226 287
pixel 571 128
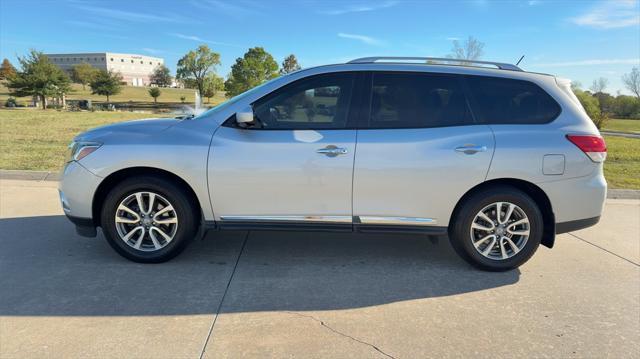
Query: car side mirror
pixel 245 117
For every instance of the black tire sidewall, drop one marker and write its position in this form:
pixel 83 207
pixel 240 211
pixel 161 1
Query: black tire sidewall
pixel 461 240
pixel 178 198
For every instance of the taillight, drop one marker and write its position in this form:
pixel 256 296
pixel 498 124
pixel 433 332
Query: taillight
pixel 592 146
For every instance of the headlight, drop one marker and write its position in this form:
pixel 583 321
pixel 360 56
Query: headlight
pixel 79 150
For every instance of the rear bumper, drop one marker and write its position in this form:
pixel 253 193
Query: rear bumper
pixel 577 201
pixel 571 226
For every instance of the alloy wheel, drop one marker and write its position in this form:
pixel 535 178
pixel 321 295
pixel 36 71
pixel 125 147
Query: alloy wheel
pixel 500 230
pixel 146 221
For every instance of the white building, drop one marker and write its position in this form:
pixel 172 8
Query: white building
pixel 136 70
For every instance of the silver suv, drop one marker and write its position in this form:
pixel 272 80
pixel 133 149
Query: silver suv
pixel 498 159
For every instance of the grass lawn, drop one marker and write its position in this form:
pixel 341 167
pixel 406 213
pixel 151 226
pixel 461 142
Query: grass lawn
pixel 138 96
pixel 632 126
pixel 622 167
pixel 37 140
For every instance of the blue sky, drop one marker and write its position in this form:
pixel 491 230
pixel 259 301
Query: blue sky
pixel 581 40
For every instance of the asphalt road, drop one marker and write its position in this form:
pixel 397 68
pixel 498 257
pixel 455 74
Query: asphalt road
pixel 276 294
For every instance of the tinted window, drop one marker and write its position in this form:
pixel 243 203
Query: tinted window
pixel 507 101
pixel 408 100
pixel 315 103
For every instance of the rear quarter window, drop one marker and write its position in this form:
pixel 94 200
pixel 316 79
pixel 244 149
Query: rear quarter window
pixel 508 101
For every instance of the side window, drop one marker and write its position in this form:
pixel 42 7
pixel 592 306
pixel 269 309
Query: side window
pixel 321 102
pixel 508 101
pixel 413 100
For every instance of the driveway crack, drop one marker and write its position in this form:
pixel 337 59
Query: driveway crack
pixel 322 323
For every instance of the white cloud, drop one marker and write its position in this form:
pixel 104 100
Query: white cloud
pixel 133 16
pixel 364 7
pixel 151 50
pixel 199 39
pixel 612 14
pixel 363 38
pixel 590 62
pixel 533 2
pixel 453 38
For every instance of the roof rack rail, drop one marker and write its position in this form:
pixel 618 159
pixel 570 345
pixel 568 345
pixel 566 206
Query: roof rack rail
pixel 399 59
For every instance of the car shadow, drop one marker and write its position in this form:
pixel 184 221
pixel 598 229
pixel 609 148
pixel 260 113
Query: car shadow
pixel 47 270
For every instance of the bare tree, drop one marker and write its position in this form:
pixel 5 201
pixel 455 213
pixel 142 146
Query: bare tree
pixel 599 85
pixel 576 85
pixel 472 49
pixel 632 81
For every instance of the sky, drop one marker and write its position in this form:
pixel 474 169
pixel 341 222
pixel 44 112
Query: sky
pixel 580 40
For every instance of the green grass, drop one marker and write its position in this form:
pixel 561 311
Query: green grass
pixel 136 96
pixel 631 126
pixel 622 167
pixel 36 140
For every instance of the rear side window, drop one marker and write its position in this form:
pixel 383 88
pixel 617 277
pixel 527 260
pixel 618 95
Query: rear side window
pixel 415 100
pixel 508 101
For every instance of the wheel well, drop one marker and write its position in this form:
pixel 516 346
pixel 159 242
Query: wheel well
pixel 535 192
pixel 113 179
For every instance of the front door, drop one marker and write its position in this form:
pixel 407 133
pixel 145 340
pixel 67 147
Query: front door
pixel 295 165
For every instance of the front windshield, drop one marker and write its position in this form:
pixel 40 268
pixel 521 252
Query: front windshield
pixel 233 100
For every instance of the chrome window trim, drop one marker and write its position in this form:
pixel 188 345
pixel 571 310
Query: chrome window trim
pixel 269 219
pixel 415 221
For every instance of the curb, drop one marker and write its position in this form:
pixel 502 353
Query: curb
pixel 29 175
pixel 55 176
pixel 620 134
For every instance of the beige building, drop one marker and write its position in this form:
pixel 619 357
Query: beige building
pixel 135 69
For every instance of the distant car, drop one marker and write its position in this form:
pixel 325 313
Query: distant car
pixel 498 159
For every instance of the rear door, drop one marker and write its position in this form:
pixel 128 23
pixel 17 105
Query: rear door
pixel 419 150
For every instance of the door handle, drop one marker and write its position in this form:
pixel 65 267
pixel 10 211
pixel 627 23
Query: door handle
pixel 471 149
pixel 332 151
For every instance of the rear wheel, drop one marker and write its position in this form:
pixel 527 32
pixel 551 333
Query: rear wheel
pixel 497 229
pixel 148 219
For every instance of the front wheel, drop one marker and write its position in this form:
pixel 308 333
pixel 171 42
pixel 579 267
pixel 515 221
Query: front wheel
pixel 497 229
pixel 148 219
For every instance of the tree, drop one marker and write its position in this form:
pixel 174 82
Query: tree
pixel 576 85
pixel 7 70
pixel 212 84
pixel 83 74
pixel 106 83
pixel 183 98
pixel 591 106
pixel 197 64
pixel 631 81
pixel 472 49
pixel 161 76
pixel 38 77
pixel 290 64
pixel 155 93
pixel 254 68
pixel 599 85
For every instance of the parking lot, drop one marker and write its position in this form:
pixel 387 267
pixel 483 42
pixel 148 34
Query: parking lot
pixel 295 294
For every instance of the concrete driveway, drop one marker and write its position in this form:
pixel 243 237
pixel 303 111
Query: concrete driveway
pixel 273 294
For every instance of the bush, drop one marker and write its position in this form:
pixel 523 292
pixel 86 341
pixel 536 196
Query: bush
pixel 11 102
pixel 591 106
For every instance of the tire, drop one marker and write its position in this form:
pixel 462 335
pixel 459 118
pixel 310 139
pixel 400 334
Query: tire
pixel 171 206
pixel 502 255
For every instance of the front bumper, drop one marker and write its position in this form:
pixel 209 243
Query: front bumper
pixel 77 188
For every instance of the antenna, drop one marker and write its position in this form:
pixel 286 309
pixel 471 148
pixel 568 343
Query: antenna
pixel 518 63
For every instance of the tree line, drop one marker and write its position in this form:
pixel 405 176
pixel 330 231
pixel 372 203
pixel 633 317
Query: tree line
pixel 40 78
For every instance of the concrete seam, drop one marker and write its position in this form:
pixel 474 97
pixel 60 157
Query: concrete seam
pixel 215 318
pixel 604 249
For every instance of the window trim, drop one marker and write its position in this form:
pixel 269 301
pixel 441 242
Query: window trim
pixel 352 116
pixel 365 120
